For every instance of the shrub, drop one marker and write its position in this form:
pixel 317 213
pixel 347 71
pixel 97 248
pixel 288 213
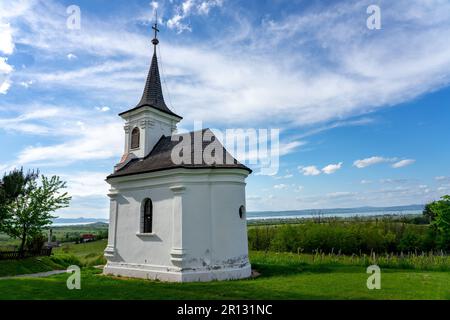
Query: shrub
pixel 344 237
pixel 36 242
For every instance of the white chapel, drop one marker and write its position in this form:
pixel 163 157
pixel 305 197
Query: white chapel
pixel 174 221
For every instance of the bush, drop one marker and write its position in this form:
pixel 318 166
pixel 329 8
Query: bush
pixel 36 242
pixel 439 213
pixel 343 237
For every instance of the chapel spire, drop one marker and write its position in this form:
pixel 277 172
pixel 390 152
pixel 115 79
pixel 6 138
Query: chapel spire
pixel 153 95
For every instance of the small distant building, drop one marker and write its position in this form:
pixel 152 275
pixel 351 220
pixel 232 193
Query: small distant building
pixel 87 237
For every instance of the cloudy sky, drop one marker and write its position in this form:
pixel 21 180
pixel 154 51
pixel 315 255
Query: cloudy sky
pixel 364 114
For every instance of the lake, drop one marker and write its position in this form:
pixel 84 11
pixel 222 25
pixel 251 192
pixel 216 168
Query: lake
pixel 338 212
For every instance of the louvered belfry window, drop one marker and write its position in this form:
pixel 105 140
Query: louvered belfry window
pixel 135 136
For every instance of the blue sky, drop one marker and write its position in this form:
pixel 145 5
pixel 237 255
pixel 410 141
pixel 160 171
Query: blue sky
pixel 364 114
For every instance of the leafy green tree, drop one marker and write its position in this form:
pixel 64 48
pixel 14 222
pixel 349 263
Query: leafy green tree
pixel 12 185
pixel 441 221
pixel 441 213
pixel 427 212
pixel 31 211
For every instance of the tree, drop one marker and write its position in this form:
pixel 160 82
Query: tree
pixel 12 185
pixel 31 210
pixel 441 219
pixel 441 211
pixel 427 212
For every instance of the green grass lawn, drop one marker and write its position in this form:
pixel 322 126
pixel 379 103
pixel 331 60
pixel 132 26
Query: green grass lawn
pixel 85 254
pixel 283 276
pixel 33 265
pixel 89 254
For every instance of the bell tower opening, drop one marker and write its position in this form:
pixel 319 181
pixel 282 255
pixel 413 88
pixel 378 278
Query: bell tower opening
pixel 135 138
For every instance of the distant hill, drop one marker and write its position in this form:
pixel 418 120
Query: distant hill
pixel 77 221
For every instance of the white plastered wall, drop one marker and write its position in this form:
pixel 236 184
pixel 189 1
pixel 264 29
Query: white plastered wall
pixel 197 232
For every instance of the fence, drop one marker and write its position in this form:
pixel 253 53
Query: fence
pixel 14 255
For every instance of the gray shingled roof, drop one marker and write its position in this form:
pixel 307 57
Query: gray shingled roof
pixel 153 96
pixel 160 158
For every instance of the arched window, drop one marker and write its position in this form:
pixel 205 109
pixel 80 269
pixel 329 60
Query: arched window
pixel 147 217
pixel 242 212
pixel 135 136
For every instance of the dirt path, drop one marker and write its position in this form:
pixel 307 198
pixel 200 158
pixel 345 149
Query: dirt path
pixel 35 275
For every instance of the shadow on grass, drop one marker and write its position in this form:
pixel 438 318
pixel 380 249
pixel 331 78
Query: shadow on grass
pixel 274 270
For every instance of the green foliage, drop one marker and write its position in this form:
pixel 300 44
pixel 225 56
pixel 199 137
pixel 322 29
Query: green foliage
pixel 36 242
pixel 345 237
pixel 282 276
pixel 88 254
pixel 428 213
pixel 13 185
pixel 322 261
pixel 440 213
pixel 31 210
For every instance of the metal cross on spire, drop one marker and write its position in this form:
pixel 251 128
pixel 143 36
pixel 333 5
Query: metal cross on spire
pixel 155 40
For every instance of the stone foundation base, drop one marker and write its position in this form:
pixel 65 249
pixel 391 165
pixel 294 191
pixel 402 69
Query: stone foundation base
pixel 166 274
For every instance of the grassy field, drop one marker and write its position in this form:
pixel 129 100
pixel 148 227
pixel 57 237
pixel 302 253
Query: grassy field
pixel 283 276
pixel 61 233
pixel 88 254
pixel 35 265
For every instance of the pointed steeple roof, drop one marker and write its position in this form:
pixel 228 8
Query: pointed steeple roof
pixel 153 95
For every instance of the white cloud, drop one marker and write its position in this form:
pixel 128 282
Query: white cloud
pixel 309 170
pixel 30 121
pixel 8 10
pixel 363 163
pixel 26 84
pixel 403 163
pixel 205 6
pixel 4 86
pixel 340 194
pixel 6 40
pixel 154 5
pixel 300 87
pixel 394 181
pixel 103 109
pixel 332 168
pixel 363 72
pixel 71 56
pixel 442 178
pixel 85 135
pixel 86 184
pixel 96 142
pixel 281 186
pixel 286 176
pixel 366 181
pixel 189 8
pixel 5 68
